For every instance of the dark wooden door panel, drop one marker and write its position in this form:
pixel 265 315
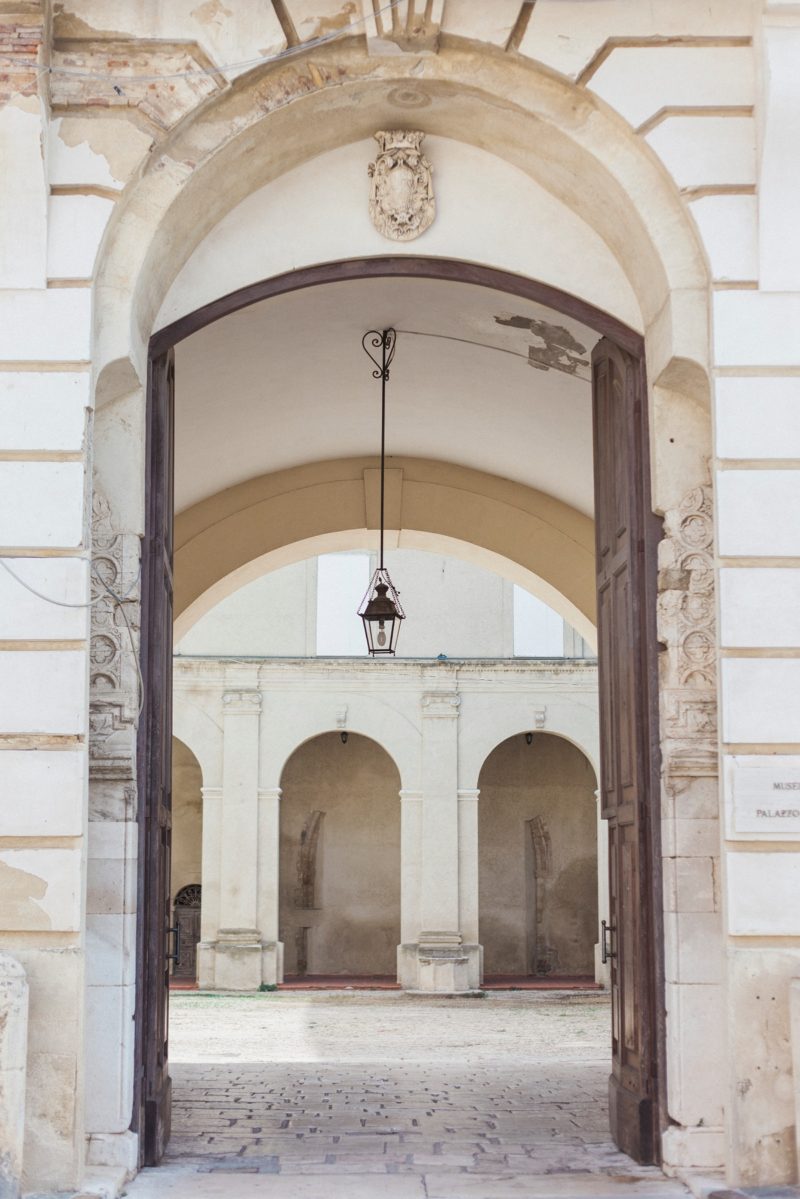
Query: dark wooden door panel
pixel 187 920
pixel 626 541
pixel 153 1087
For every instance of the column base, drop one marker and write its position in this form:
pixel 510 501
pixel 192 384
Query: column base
pixel 692 1149
pixel 439 965
pixel 232 962
pixel 114 1149
pixel 272 963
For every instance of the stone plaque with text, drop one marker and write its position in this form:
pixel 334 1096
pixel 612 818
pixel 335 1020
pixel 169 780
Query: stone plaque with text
pixel 766 795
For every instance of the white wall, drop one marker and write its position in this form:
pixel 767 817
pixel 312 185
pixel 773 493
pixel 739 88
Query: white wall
pixel 452 608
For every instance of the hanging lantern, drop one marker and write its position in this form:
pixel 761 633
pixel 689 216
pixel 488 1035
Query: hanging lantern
pixel 380 609
pixel 381 613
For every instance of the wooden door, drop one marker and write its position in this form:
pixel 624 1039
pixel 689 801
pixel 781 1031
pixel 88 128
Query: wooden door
pixel 187 923
pixel 154 764
pixel 627 536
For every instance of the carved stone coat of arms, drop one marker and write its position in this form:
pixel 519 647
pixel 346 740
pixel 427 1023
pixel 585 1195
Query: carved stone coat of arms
pixel 401 201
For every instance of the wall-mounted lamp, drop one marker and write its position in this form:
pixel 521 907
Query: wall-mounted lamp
pixel 529 738
pixel 343 736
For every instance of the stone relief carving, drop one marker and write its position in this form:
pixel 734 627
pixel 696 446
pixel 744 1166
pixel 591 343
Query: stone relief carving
pixel 241 703
pixel 687 630
pixel 401 201
pixel 113 677
pixel 441 704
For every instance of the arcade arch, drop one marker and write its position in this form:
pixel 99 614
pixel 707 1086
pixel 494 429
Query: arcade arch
pixel 340 858
pixel 538 858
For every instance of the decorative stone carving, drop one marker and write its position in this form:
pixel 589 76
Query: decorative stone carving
pixel 687 630
pixel 241 703
pixel 113 676
pixel 441 704
pixel 401 201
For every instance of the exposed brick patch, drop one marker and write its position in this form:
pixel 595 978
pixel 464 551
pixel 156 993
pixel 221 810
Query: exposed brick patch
pixel 163 82
pixel 20 42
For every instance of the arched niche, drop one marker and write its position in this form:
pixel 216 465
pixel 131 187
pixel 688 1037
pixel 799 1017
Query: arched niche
pixel 538 859
pixel 340 858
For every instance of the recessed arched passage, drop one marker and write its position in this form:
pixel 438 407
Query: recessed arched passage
pixel 340 858
pixel 626 517
pixel 538 862
pixel 187 851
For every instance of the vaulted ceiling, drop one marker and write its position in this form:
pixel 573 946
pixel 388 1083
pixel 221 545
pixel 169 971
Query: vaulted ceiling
pixel 480 378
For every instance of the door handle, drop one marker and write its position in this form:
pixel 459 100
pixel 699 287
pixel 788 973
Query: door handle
pixel 606 933
pixel 175 956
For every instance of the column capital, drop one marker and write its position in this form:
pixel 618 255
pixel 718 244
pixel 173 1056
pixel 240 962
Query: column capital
pixel 441 705
pixel 472 793
pixel 410 795
pixel 270 792
pixel 241 703
pixel 211 792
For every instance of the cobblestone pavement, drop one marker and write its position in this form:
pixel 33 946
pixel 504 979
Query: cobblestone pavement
pixel 387 1095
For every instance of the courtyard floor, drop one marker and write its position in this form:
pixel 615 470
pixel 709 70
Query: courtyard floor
pixel 381 1095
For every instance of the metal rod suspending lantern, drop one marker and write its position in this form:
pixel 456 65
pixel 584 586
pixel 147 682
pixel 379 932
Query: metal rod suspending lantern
pixel 381 610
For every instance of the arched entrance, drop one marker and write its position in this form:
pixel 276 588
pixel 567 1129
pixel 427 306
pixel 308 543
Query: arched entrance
pixel 340 858
pixel 626 537
pixel 642 262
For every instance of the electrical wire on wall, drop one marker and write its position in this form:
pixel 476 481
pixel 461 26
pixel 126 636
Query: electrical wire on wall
pixel 119 606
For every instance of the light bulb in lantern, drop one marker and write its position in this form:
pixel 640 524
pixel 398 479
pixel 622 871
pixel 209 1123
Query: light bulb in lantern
pixel 381 634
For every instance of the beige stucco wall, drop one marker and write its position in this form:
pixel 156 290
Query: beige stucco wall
pixel 353 877
pixel 537 837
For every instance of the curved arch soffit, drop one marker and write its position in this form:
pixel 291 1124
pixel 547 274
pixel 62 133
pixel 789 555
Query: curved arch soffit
pixel 363 539
pixel 198 733
pixel 589 754
pixel 536 120
pixel 229 539
pixel 351 732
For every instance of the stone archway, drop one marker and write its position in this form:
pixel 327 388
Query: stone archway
pixel 632 205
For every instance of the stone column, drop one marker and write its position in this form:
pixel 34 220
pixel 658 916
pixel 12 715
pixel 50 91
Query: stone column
pixel 13 1058
pixel 269 832
pixel 410 886
pixel 209 900
pixel 468 890
pixel 238 948
pixel 443 961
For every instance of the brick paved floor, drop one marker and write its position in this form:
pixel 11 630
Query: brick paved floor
pixel 382 1094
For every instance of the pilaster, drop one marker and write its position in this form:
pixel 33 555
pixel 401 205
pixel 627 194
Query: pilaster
pixel 238 941
pixel 269 815
pixel 410 886
pixel 443 962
